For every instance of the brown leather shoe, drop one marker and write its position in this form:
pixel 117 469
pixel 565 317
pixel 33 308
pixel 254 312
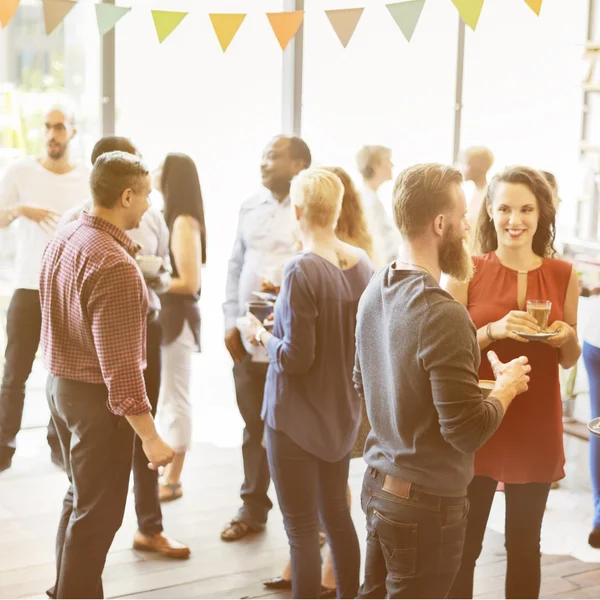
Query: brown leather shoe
pixel 161 544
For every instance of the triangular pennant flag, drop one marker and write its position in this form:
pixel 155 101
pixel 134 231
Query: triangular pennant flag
pixel 469 10
pixel 535 6
pixel 344 22
pixel 8 8
pixel 406 15
pixel 166 21
pixel 285 25
pixel 226 26
pixel 108 15
pixel 55 11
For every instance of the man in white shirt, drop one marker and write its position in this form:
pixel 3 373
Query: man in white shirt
pixel 474 163
pixel 375 165
pixel 34 192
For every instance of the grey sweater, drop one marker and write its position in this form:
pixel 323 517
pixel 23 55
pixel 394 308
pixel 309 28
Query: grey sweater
pixel 417 358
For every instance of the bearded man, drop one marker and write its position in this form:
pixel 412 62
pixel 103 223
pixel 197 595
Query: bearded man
pixel 34 192
pixel 416 368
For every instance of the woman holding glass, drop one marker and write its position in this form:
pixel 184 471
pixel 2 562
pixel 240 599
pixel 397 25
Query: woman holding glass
pixel 516 232
pixel 311 409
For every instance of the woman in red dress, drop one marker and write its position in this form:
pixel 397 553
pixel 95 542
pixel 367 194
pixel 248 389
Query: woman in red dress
pixel 516 232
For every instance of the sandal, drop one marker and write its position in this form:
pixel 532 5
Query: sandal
pixel 167 492
pixel 235 530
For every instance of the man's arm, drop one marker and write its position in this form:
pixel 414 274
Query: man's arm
pixel 9 198
pixel 116 311
pixel 448 351
pixel 231 307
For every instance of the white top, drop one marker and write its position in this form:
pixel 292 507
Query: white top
pixel 386 237
pixel 591 329
pixel 27 183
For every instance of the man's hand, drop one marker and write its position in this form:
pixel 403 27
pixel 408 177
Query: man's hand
pixel 158 452
pixel 233 342
pixel 46 219
pixel 512 378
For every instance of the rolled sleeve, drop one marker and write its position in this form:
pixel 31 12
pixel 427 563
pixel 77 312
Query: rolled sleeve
pixel 295 353
pixel 450 354
pixel 117 311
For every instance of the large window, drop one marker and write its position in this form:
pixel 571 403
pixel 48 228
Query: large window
pixel 380 89
pixel 522 89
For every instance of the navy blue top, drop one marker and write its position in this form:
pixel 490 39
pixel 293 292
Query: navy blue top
pixel 309 393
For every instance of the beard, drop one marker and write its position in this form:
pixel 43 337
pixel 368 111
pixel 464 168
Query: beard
pixel 55 150
pixel 455 257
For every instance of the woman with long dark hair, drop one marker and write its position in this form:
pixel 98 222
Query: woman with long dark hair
pixel 180 315
pixel 516 232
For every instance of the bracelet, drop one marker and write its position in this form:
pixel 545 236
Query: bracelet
pixel 488 332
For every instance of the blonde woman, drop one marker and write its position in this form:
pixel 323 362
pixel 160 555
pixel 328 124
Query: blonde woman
pixel 311 409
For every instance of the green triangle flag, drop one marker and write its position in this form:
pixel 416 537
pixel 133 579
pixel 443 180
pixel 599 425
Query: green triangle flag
pixel 108 15
pixel 166 21
pixel 469 11
pixel 406 15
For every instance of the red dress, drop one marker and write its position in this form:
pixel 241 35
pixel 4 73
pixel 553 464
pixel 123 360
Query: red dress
pixel 528 445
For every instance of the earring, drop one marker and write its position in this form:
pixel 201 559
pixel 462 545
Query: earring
pixel 491 218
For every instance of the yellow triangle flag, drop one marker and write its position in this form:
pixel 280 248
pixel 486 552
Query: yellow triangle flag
pixel 8 8
pixel 469 10
pixel 55 11
pixel 535 6
pixel 226 26
pixel 285 25
pixel 166 21
pixel 344 22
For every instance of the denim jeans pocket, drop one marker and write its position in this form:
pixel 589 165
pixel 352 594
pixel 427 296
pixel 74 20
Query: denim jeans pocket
pixel 399 543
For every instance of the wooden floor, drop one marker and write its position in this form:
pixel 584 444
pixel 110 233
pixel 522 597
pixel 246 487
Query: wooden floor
pixel 30 500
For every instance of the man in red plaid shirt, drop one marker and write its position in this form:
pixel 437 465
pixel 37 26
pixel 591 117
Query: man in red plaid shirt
pixel 94 305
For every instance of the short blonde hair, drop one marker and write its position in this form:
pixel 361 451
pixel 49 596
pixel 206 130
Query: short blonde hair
pixel 422 192
pixel 318 192
pixel 369 158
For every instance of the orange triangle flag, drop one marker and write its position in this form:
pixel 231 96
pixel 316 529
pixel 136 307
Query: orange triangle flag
pixel 535 6
pixel 226 26
pixel 285 25
pixel 55 12
pixel 8 8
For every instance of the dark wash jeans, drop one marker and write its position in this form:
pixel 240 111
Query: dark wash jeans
pixel 308 487
pixel 23 326
pixel 414 544
pixel 97 449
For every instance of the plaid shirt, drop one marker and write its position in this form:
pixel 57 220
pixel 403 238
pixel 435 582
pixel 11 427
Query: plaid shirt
pixel 94 304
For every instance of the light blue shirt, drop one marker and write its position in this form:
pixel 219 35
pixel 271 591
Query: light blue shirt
pixel 266 239
pixel 153 237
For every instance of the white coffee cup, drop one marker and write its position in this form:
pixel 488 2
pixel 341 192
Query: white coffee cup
pixel 149 265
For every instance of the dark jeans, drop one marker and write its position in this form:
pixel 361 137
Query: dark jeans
pixel 249 379
pixel 591 358
pixel 308 487
pixel 525 506
pixel 97 450
pixel 145 481
pixel 414 543
pixel 23 325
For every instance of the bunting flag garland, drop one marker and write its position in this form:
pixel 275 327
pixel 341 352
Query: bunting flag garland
pixel 469 10
pixel 226 26
pixel 344 22
pixel 535 6
pixel 108 15
pixel 285 25
pixel 8 8
pixel 166 21
pixel 406 15
pixel 55 12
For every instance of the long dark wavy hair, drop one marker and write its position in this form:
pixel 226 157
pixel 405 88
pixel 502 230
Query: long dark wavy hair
pixel 180 186
pixel 543 239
